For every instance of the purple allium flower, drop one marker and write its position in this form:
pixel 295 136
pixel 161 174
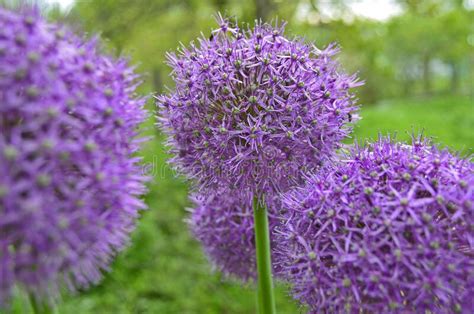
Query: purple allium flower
pixel 389 229
pixel 69 180
pixel 223 223
pixel 252 109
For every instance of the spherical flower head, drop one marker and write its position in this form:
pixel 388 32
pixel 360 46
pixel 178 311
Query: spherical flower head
pixel 387 229
pixel 69 183
pixel 253 109
pixel 224 225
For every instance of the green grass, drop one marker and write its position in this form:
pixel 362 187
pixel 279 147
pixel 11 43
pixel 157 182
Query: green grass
pixel 448 121
pixel 164 269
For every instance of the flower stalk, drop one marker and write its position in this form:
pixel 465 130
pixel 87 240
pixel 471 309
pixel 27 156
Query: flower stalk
pixel 266 298
pixel 39 307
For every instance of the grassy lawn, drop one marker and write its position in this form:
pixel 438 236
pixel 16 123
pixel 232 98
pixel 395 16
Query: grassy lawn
pixel 449 121
pixel 164 269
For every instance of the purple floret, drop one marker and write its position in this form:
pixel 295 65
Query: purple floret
pixel 387 229
pixel 69 178
pixel 223 223
pixel 253 109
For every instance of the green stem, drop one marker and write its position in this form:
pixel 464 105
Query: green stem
pixel 39 307
pixel 266 298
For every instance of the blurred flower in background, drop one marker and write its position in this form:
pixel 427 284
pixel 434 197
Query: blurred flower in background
pixel 70 182
pixel 223 223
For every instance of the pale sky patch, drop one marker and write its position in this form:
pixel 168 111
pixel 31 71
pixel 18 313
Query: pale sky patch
pixel 380 10
pixel 64 4
pixel 375 9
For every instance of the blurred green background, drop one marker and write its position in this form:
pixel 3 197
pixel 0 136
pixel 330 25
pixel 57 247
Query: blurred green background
pixel 416 57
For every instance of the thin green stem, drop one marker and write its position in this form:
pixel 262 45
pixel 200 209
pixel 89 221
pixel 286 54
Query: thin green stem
pixel 39 307
pixel 266 298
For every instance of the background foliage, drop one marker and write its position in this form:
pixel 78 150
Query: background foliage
pixel 418 68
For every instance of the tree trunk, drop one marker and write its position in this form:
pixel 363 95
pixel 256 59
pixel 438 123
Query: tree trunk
pixel 454 77
pixel 426 74
pixel 407 82
pixel 263 9
pixel 407 87
pixel 220 5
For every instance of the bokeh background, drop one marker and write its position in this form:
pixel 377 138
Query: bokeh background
pixel 416 57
